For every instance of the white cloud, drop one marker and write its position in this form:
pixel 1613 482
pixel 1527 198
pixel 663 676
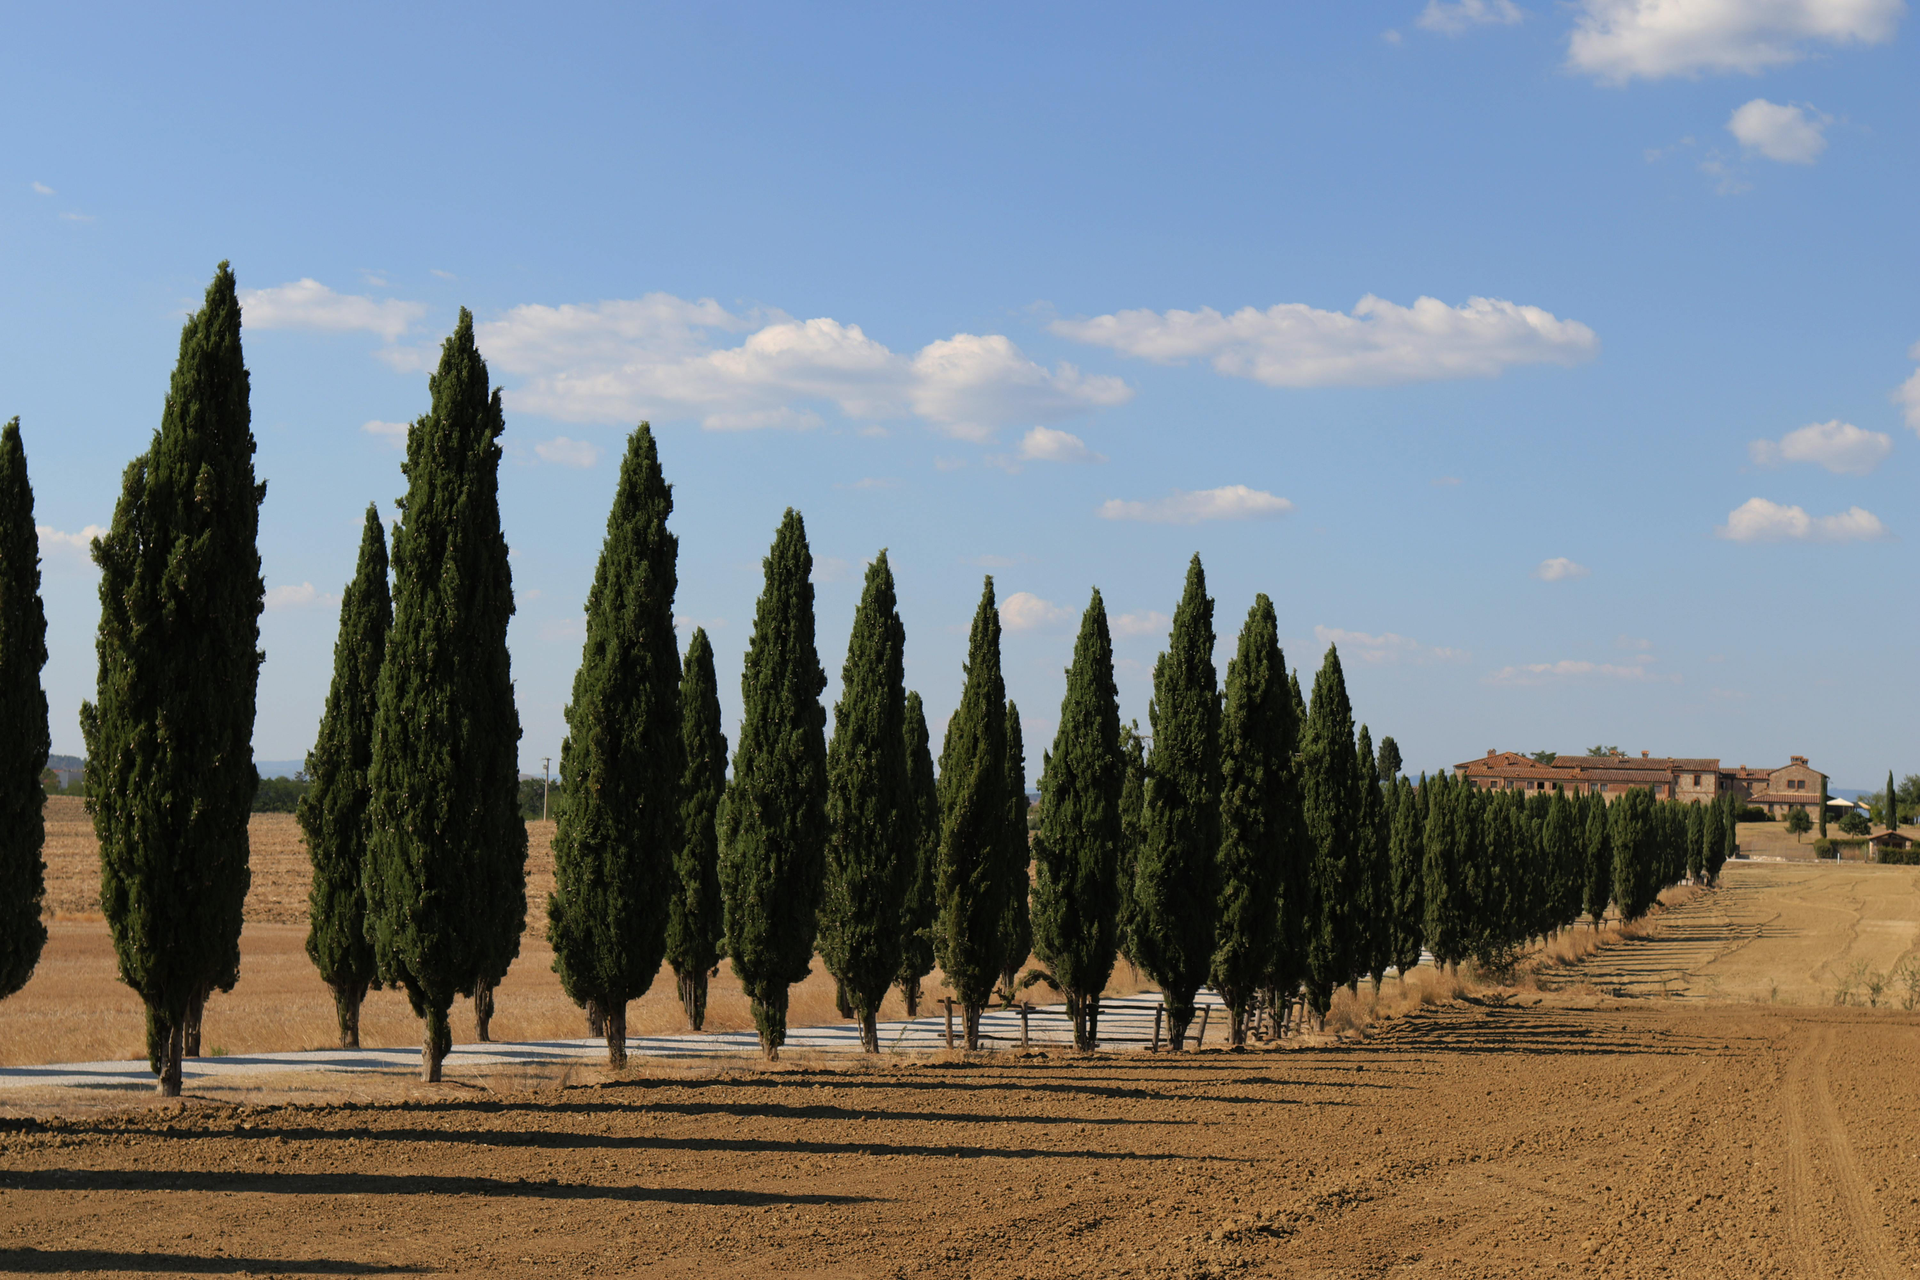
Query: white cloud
pixel 1148 623
pixel 308 304
pixel 1635 643
pixel 65 552
pixel 1229 502
pixel 1784 133
pixel 1387 648
pixel 661 355
pixel 1757 520
pixel 298 597
pixel 42 189
pixel 394 433
pixel 831 569
pixel 1024 611
pixel 1379 343
pixel 1454 18
pixel 1545 672
pixel 1560 569
pixel 444 275
pixel 78 217
pixel 1907 394
pixel 1617 40
pixel 1045 444
pixel 1840 447
pixel 568 453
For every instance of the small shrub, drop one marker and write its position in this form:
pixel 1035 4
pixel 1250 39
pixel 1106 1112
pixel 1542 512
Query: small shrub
pixel 1856 824
pixel 1752 813
pixel 1876 984
pixel 1824 849
pixel 1906 976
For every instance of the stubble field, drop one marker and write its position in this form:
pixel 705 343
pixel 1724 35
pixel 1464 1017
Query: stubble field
pixel 1690 1102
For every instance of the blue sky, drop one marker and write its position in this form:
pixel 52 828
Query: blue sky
pixel 1552 359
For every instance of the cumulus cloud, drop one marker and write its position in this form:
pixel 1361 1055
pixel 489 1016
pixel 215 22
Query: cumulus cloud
pixel 568 453
pixel 42 189
pixel 1840 447
pixel 1149 622
pixel 1379 343
pixel 1228 502
pixel 1560 569
pixel 308 304
pixel 1618 40
pixel 1045 444
pixel 1568 668
pixel 1455 18
pixel 664 356
pixel 302 596
pixel 394 433
pixel 65 552
pixel 1024 611
pixel 1757 520
pixel 1791 134
pixel 1386 648
pixel 1907 394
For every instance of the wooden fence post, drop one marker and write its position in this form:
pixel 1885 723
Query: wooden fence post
pixel 948 1002
pixel 1025 1009
pixel 1201 1039
pixel 1156 1030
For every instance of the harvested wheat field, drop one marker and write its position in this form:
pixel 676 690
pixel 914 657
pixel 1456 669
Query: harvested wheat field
pixel 1691 1099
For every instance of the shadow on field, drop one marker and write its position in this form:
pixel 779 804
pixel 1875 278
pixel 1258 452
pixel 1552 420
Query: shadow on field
pixel 1537 1033
pixel 386 1184
pixel 45 1261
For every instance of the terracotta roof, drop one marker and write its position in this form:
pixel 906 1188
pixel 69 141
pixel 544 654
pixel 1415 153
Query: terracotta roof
pixel 1785 797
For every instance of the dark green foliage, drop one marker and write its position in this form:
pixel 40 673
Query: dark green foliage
pixel 1631 830
pixel 23 722
pixel 1016 919
pixel 169 742
pixel 1373 903
pixel 1798 823
pixel 870 856
pixel 1258 814
pixel 1173 894
pixel 973 824
pixel 1597 890
pixel 922 897
pixel 773 822
pixel 1077 851
pixel 1445 848
pixel 1856 824
pixel 1390 762
pixel 617 832
pixel 333 810
pixel 1293 877
pixel 1330 802
pixel 1133 833
pixel 1564 849
pixel 446 861
pixel 1890 802
pixel 1713 837
pixel 280 795
pixel 1695 848
pixel 1406 855
pixel 695 919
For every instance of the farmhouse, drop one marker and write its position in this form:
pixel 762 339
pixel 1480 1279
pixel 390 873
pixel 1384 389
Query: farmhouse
pixel 1697 780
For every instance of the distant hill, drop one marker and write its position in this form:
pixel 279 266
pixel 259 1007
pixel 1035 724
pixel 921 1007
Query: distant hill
pixel 64 762
pixel 279 768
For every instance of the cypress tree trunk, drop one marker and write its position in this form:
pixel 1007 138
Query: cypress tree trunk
pixel 618 830
pixel 973 809
pixel 446 853
pixel 333 813
pixel 1257 791
pixel 870 846
pixel 1076 890
pixel 169 741
pixel 24 739
pixel 1173 891
pixel 773 821
pixel 694 915
pixel 1332 811
pixel 1016 920
pixel 922 819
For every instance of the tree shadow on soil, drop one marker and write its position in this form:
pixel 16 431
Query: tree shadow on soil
pixel 388 1184
pixel 54 1261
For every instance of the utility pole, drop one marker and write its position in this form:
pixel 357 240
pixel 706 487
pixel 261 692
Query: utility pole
pixel 546 781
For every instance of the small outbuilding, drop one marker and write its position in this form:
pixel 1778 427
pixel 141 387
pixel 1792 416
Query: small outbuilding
pixel 1888 842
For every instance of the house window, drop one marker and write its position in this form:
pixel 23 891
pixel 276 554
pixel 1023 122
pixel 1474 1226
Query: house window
pixel 1696 779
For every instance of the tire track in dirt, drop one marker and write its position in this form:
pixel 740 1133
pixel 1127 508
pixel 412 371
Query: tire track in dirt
pixel 1801 1210
pixel 1868 1226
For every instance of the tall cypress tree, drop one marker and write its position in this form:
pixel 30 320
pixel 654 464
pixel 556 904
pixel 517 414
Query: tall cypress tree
pixel 1713 836
pixel 973 823
pixel 446 859
pixel 24 740
pixel 1696 841
pixel 169 743
pixel 1256 794
pixel 1373 935
pixel 1016 861
pixel 921 901
pixel 1077 852
pixel 1173 892
pixel 1293 887
pixel 870 811
pixel 695 920
pixel 1331 806
pixel 1390 762
pixel 1892 804
pixel 773 822
pixel 1133 833
pixel 618 830
pixel 1443 843
pixel 333 813
pixel 1597 889
pixel 1630 830
pixel 1406 853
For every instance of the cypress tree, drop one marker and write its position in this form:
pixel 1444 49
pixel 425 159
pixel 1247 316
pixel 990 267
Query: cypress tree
pixel 1331 808
pixel 1078 849
pixel 1696 840
pixel 1597 889
pixel 973 821
pixel 773 821
pixel 1256 803
pixel 1293 876
pixel 1016 853
pixel 1892 804
pixel 1173 889
pixel 24 739
pixel 1564 861
pixel 618 831
pixel 1730 840
pixel 446 859
pixel 871 850
pixel 695 920
pixel 1133 798
pixel 169 743
pixel 1444 850
pixel 922 897
pixel 333 812
pixel 1374 934
pixel 1406 853
pixel 1390 762
pixel 1630 830
pixel 1713 836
